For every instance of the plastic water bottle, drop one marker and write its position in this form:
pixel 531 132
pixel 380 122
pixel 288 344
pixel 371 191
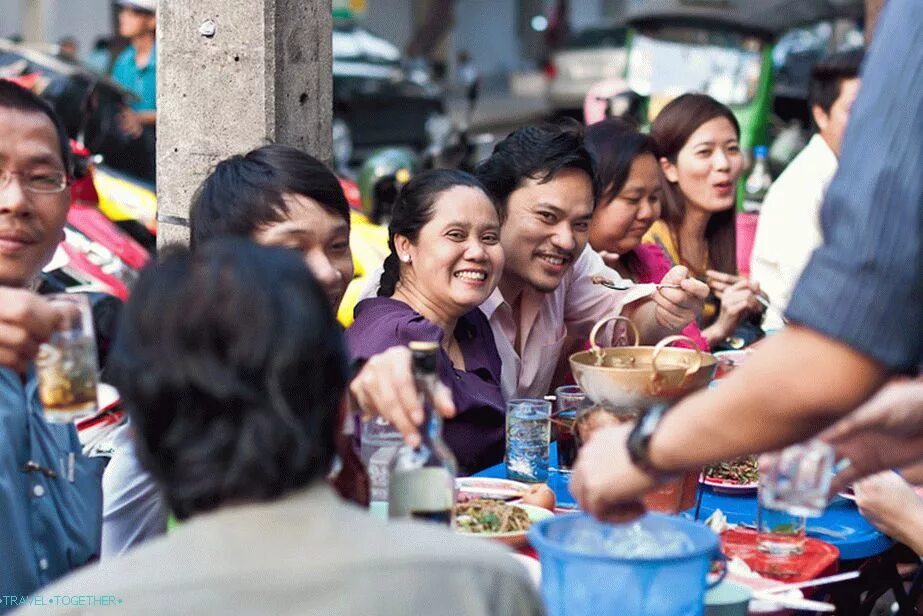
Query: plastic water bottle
pixel 758 182
pixel 379 443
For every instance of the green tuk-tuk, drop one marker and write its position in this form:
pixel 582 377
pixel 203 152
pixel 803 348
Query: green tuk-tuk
pixel 720 47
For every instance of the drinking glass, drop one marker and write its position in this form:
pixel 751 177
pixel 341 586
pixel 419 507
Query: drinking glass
pixel 779 533
pixel 797 479
pixel 66 365
pixel 569 401
pixel 527 439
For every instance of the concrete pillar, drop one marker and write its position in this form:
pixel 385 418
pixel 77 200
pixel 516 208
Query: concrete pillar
pixel 34 22
pixel 233 75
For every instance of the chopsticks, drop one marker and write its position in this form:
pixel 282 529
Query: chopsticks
pixel 830 579
pixel 795 603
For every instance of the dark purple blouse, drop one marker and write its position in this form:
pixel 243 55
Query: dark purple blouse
pixel 476 434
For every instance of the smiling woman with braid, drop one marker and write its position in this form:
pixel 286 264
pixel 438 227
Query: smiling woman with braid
pixel 445 261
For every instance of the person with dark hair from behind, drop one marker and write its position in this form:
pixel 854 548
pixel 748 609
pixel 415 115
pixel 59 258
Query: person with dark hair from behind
pixel 49 520
pixel 445 260
pixel 278 196
pixel 542 178
pixel 233 370
pixel 789 223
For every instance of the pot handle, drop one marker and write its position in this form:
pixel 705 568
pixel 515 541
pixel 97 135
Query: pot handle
pixel 719 558
pixel 595 347
pixel 693 366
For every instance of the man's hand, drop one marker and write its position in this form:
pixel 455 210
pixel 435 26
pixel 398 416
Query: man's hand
pixel 885 432
pixel 26 321
pixel 893 507
pixel 604 481
pixel 385 387
pixel 676 308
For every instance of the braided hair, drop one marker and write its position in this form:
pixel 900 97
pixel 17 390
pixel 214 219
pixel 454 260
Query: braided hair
pixel 414 209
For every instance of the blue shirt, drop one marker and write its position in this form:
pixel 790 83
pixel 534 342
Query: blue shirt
pixel 48 525
pixel 141 81
pixel 864 285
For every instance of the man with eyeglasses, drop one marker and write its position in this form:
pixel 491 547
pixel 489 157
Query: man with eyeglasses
pixel 50 519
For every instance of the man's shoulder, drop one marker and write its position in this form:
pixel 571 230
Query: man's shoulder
pixel 340 547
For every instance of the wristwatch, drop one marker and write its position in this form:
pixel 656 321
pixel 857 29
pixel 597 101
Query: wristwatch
pixel 639 439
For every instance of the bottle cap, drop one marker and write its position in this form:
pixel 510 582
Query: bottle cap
pixel 760 151
pixel 425 355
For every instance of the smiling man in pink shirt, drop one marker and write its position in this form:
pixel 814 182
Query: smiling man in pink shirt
pixel 543 180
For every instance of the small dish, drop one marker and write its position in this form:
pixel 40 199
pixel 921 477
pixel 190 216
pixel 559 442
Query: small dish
pixel 490 487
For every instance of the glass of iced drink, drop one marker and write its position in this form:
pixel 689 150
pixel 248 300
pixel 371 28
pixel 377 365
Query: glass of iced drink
pixel 66 365
pixel 569 400
pixel 528 435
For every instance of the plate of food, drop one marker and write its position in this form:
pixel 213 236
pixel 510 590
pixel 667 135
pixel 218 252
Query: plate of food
pixel 495 519
pixel 741 475
pixel 470 488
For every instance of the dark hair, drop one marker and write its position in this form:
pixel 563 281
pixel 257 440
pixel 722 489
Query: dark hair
pixel 671 130
pixel 536 152
pixel 244 193
pixel 413 209
pixel 232 369
pixel 828 75
pixel 13 96
pixel 614 143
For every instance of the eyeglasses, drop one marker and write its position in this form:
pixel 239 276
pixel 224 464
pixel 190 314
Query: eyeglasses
pixel 38 182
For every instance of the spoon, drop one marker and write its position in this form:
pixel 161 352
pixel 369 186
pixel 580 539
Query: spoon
pixel 626 285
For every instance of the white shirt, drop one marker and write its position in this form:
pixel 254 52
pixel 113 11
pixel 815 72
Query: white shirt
pixel 550 322
pixel 133 508
pixel 789 224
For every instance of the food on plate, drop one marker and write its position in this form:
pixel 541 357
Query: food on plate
pixel 744 470
pixel 490 516
pixel 540 495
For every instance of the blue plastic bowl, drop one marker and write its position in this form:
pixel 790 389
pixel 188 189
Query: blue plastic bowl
pixel 581 582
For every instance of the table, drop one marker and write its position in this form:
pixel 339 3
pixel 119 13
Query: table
pixel 861 541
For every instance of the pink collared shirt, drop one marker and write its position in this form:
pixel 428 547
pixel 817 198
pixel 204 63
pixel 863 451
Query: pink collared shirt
pixel 550 323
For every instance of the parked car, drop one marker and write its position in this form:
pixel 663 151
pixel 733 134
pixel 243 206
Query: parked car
pixel 376 104
pixel 590 56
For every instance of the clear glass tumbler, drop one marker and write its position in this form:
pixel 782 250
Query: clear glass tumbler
pixel 797 479
pixel 569 401
pixel 66 366
pixel 528 435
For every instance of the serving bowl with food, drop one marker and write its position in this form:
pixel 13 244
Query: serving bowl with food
pixel 633 378
pixel 497 520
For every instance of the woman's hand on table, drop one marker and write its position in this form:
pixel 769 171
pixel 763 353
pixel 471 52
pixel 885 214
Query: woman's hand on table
pixel 676 308
pixel 604 481
pixel 885 432
pixel 385 387
pixel 892 506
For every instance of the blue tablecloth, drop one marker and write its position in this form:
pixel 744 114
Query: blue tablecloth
pixel 861 540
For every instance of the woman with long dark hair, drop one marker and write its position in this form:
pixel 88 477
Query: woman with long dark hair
pixel 698 143
pixel 629 203
pixel 445 260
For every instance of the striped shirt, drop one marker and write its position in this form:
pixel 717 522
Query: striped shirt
pixel 864 285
